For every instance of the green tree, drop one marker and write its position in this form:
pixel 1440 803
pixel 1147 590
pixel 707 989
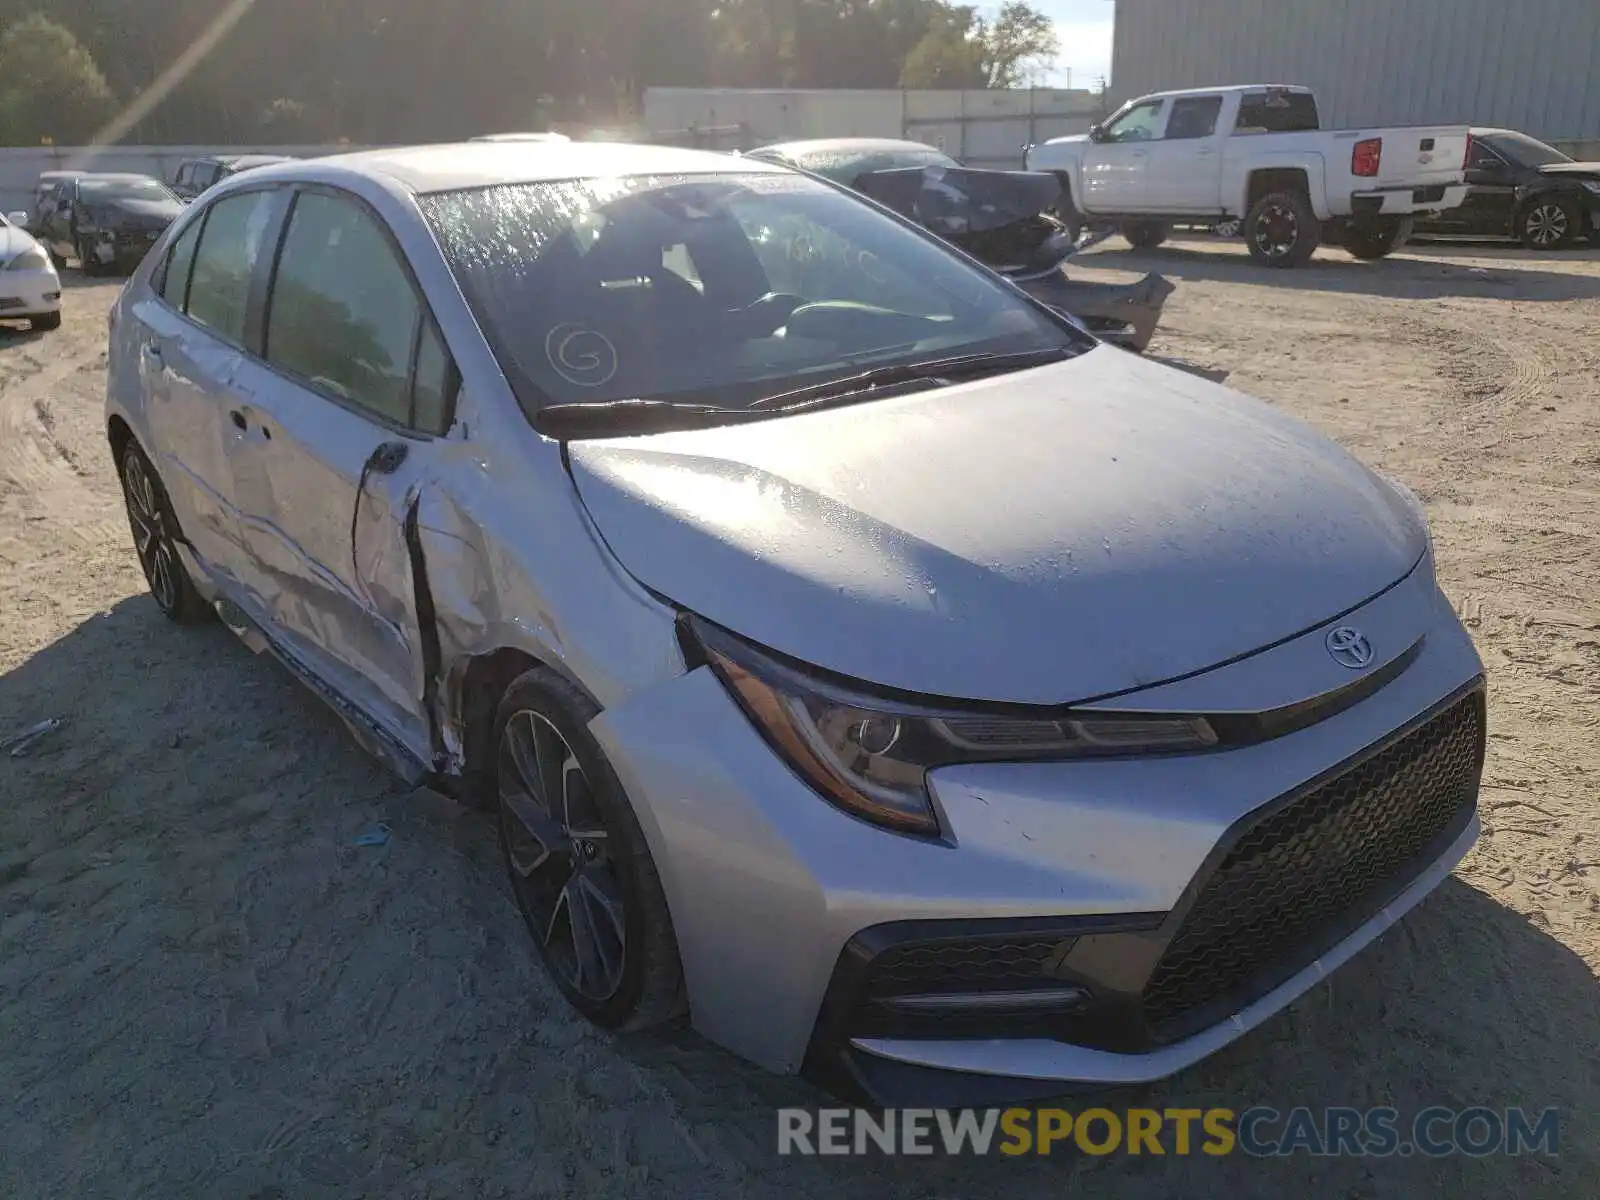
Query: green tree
pixel 50 86
pixel 964 50
pixel 1019 45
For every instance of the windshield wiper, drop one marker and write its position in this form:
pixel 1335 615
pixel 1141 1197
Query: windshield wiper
pixel 613 418
pixel 960 366
pixel 610 418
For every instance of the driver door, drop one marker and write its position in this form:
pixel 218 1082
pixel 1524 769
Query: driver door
pixel 1116 167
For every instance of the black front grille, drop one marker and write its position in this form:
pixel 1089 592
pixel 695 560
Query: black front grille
pixel 1293 881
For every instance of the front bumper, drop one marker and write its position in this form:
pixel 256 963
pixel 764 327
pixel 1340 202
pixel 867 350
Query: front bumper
pixel 1407 201
pixel 112 247
pixel 770 887
pixel 29 293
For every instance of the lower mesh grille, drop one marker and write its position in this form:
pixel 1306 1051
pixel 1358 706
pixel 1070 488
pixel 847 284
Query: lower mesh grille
pixel 1293 879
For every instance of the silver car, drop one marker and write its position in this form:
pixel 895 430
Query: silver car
pixel 857 657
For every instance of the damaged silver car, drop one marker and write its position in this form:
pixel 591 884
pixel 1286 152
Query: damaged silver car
pixel 857 657
pixel 1004 219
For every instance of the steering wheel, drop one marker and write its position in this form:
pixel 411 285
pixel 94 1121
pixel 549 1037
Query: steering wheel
pixel 766 314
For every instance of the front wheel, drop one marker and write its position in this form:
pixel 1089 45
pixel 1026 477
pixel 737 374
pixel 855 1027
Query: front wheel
pixel 1281 230
pixel 579 866
pixel 1144 235
pixel 1548 223
pixel 1377 241
pixel 150 517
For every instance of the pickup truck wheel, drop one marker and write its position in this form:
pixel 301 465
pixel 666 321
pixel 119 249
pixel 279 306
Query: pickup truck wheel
pixel 1065 211
pixel 1144 235
pixel 1376 241
pixel 1548 223
pixel 1281 230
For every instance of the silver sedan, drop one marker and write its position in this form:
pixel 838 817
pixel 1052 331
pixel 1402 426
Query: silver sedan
pixel 856 656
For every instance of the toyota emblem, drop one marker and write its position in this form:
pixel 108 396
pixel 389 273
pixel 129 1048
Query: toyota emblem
pixel 1349 647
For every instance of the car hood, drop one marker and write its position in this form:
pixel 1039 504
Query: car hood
pixel 13 241
pixel 1581 169
pixel 1043 537
pixel 138 214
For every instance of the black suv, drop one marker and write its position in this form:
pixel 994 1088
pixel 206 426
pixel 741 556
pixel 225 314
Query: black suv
pixel 1519 187
pixel 195 175
pixel 106 222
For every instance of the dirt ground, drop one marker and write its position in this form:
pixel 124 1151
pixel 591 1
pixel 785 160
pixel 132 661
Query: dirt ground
pixel 207 990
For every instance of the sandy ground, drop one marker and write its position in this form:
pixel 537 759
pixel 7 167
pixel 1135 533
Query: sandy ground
pixel 206 990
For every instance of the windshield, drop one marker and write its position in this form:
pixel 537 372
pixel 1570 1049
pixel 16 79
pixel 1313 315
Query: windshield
pixel 1524 150
pixel 718 289
pixel 123 189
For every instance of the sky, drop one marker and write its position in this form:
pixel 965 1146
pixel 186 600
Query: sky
pixel 1084 27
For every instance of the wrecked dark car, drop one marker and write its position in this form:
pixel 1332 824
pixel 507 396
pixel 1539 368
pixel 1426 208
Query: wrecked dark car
pixel 1001 218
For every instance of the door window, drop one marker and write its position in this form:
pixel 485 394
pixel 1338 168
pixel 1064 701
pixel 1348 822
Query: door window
pixel 1193 117
pixel 346 317
pixel 1137 124
pixel 180 261
pixel 230 248
pixel 185 174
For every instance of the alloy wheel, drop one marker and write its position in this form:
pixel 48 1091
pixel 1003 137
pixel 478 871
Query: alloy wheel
pixel 560 855
pixel 1546 225
pixel 151 540
pixel 1277 229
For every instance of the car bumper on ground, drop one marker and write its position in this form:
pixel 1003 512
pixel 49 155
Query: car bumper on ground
pixel 29 293
pixel 1407 201
pixel 121 247
pixel 1076 924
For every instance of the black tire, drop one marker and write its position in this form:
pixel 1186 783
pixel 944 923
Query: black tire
pixel 1281 230
pixel 600 860
pixel 1065 211
pixel 1144 235
pixel 151 521
pixel 1549 223
pixel 1376 241
pixel 87 262
pixel 45 323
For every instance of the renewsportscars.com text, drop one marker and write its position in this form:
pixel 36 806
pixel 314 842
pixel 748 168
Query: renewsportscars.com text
pixel 1260 1131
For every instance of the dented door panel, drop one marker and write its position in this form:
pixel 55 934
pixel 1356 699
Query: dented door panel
pixel 326 542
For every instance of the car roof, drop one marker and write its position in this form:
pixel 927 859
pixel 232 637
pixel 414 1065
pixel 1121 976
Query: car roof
pixel 863 145
pixel 256 160
pixel 445 168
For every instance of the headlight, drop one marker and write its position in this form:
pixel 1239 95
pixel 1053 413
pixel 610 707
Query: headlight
pixel 1592 184
pixel 870 755
pixel 31 259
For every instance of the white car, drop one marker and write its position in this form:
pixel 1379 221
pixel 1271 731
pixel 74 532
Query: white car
pixel 30 289
pixel 1256 153
pixel 858 657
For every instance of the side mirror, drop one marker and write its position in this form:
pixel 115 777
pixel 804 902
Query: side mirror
pixel 1097 133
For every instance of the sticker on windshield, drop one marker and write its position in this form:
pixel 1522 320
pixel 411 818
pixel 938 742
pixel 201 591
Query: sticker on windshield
pixel 583 357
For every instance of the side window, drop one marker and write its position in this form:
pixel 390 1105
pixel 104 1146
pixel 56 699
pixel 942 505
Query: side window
pixel 230 247
pixel 1193 117
pixel 205 174
pixel 184 175
pixel 344 314
pixel 180 260
pixel 1276 110
pixel 435 389
pixel 1138 124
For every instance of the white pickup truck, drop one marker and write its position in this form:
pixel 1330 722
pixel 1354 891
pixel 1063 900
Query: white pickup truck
pixel 1256 154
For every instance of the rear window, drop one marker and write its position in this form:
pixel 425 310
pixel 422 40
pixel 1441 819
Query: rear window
pixel 1277 110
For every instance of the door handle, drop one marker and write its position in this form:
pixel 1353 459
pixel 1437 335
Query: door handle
pixel 238 419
